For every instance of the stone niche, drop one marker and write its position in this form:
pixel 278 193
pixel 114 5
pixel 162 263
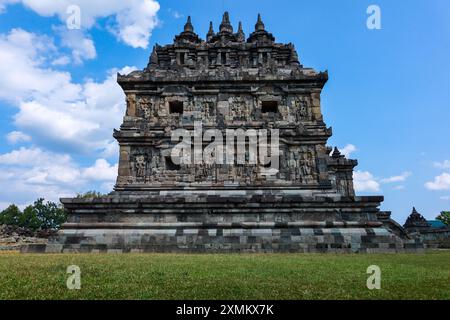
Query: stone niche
pixel 228 82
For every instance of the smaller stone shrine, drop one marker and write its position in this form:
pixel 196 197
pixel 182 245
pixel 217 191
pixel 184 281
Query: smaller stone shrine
pixel 433 237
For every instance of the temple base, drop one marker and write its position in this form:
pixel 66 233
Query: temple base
pixel 216 224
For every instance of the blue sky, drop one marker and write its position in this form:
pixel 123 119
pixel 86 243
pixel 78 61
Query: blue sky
pixel 387 99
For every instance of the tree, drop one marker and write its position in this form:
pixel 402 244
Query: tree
pixel 29 219
pixel 10 216
pixel 90 194
pixel 39 216
pixel 50 215
pixel 444 217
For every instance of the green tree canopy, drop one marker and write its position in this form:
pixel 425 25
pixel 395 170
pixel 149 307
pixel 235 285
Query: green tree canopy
pixel 39 216
pixel 444 217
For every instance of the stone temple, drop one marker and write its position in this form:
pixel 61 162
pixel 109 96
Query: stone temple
pixel 228 81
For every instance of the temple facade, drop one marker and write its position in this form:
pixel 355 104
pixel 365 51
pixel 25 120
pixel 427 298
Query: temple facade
pixel 300 200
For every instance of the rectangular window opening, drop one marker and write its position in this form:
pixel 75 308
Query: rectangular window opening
pixel 176 107
pixel 269 107
pixel 223 56
pixel 181 58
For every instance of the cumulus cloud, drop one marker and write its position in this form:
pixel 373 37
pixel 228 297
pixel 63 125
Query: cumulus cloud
pixel 30 173
pixel 61 61
pixel 132 21
pixel 399 178
pixel 348 150
pixel 101 171
pixel 17 136
pixel 81 45
pixel 442 165
pixel 441 182
pixel 365 181
pixel 52 109
pixel 23 74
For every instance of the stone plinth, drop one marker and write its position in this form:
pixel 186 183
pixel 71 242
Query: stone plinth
pixel 215 223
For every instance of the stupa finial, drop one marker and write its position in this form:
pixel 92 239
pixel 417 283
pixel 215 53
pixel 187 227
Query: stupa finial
pixel 188 27
pixel 259 26
pixel 226 26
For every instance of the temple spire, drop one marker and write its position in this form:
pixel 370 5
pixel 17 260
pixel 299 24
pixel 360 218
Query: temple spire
pixel 226 26
pixel 188 27
pixel 188 34
pixel 294 56
pixel 336 153
pixel 154 57
pixel 259 26
pixel 240 33
pixel 210 33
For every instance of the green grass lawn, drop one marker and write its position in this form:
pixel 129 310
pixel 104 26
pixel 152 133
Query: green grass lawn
pixel 234 276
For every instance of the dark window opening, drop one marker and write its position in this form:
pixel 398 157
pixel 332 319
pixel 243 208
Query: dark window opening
pixel 267 165
pixel 176 107
pixel 181 57
pixel 170 165
pixel 265 57
pixel 223 57
pixel 269 106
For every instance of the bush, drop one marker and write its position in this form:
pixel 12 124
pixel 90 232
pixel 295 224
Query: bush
pixel 90 194
pixel 39 216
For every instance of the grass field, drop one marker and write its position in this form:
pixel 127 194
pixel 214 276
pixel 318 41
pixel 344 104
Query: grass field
pixel 235 276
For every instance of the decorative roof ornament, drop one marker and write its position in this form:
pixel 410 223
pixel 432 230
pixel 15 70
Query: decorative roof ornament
pixel 260 34
pixel 336 153
pixel 188 34
pixel 154 57
pixel 294 56
pixel 210 33
pixel 259 26
pixel 225 26
pixel 188 27
pixel 240 34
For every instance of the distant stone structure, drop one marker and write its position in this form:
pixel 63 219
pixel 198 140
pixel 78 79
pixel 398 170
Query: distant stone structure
pixel 228 82
pixel 434 234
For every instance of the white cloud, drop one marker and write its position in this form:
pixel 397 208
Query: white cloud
pixel 399 178
pixel 30 173
pixel 101 171
pixel 175 13
pixel 133 20
pixel 347 150
pixel 441 182
pixel 17 136
pixel 445 198
pixel 82 46
pixel 61 61
pixel 365 181
pixel 399 187
pixel 54 110
pixel 23 74
pixel 442 165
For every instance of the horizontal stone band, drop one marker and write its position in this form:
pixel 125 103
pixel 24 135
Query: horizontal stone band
pixel 223 225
